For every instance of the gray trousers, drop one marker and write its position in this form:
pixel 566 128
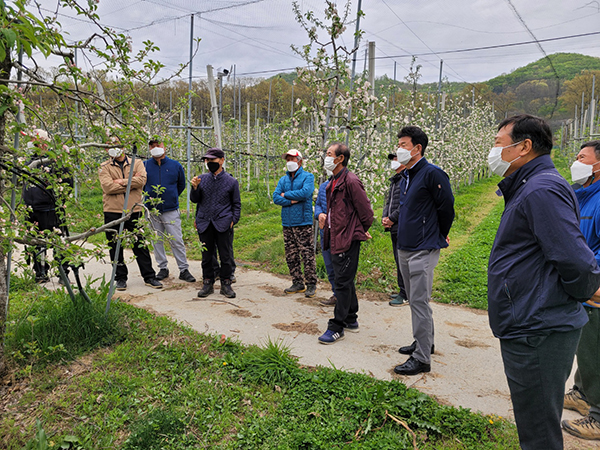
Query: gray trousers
pixel 168 226
pixel 417 273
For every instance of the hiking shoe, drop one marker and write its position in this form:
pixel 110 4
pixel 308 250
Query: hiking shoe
pixel 585 428
pixel 351 327
pixel 398 301
pixel 331 337
pixel 226 289
pixel 331 301
pixel 311 290
pixel 294 288
pixel 207 289
pixel 185 275
pixel 153 283
pixel 393 295
pixel 162 274
pixel 41 279
pixel 121 285
pixel 574 400
pixel 233 279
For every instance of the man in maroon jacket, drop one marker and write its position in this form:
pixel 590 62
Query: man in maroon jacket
pixel 347 223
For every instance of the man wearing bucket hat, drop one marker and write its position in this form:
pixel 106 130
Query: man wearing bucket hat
pixel 294 194
pixel 218 197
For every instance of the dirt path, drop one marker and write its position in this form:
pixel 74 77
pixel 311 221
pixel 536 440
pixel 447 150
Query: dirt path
pixel 466 368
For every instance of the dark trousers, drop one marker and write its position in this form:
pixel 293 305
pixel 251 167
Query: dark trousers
pixel 537 368
pixel 587 376
pixel 140 250
pixel 222 241
pixel 44 220
pixel 217 266
pixel 345 266
pixel 328 264
pixel 401 287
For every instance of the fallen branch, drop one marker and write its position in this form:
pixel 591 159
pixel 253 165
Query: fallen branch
pixel 401 422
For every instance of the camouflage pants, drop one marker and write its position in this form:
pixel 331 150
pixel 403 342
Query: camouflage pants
pixel 299 248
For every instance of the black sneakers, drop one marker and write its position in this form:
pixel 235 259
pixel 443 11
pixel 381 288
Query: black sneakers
pixel 121 285
pixel 162 274
pixel 294 288
pixel 153 283
pixel 185 275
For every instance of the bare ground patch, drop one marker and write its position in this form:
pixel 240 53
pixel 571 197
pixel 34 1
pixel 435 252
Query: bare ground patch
pixel 240 312
pixel 274 291
pixel 469 343
pixel 300 327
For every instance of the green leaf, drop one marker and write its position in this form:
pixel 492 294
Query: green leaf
pixel 10 37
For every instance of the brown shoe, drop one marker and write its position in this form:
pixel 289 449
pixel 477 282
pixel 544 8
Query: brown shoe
pixel 575 401
pixel 329 302
pixel 586 428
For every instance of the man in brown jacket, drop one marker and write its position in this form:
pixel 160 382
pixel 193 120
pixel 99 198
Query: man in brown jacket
pixel 346 224
pixel 113 175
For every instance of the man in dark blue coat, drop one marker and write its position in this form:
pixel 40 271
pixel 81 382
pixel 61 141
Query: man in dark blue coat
pixel 539 273
pixel 424 219
pixel 218 197
pixel 166 181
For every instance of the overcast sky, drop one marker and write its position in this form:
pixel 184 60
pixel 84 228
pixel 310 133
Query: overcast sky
pixel 256 35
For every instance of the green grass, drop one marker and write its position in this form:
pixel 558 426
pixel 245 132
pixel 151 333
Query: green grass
pixel 162 385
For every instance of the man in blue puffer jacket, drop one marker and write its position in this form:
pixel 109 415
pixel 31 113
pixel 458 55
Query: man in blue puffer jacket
pixel 294 194
pixel 166 181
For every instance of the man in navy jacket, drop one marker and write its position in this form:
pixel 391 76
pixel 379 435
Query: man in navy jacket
pixel 540 271
pixel 424 219
pixel 166 181
pixel 294 194
pixel 218 197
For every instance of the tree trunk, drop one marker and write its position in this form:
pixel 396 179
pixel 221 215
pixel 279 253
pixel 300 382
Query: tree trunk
pixel 5 68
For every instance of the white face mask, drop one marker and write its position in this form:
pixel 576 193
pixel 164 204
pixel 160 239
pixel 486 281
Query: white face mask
pixel 329 164
pixel 580 172
pixel 329 172
pixel 291 166
pixel 496 163
pixel 157 152
pixel 395 165
pixel 115 152
pixel 404 155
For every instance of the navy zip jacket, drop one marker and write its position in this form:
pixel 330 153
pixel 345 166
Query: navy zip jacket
pixel 426 208
pixel 169 175
pixel 540 267
pixel 218 199
pixel 391 205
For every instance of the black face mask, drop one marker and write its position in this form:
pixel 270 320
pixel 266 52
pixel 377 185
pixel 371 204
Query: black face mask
pixel 213 166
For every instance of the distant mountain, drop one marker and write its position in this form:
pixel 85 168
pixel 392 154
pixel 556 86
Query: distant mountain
pixel 567 65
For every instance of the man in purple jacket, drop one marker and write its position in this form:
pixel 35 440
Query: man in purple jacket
pixel 218 197
pixel 348 220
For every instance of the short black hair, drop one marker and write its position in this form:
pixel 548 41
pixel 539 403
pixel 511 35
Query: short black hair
pixel 416 135
pixel 595 144
pixel 536 129
pixel 341 149
pixel 154 142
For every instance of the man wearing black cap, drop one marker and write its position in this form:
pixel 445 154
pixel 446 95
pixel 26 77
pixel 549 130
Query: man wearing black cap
pixel 391 211
pixel 218 197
